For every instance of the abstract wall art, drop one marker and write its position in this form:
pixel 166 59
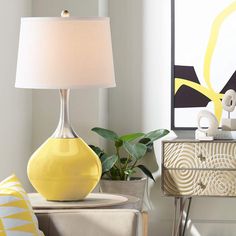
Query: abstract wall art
pixel 203 58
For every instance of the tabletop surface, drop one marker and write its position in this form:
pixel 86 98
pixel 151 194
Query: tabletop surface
pixel 93 200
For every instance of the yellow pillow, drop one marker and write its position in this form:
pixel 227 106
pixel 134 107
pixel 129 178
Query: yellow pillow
pixel 16 214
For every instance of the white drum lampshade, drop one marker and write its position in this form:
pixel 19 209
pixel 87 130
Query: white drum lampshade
pixel 64 53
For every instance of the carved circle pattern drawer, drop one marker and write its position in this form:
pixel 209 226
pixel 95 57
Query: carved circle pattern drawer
pixel 199 168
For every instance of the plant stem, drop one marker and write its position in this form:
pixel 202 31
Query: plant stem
pixel 116 167
pixel 119 161
pixel 133 166
pixel 127 161
pixel 109 174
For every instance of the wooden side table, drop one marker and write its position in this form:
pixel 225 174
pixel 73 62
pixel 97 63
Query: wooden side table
pixel 192 168
pixel 96 206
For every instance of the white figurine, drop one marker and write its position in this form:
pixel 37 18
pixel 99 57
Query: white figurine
pixel 229 103
pixel 209 132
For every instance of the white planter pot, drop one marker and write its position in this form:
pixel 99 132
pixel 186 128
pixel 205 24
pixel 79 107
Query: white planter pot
pixel 134 187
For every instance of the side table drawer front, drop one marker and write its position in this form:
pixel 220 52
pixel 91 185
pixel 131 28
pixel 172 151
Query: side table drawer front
pixel 199 183
pixel 199 155
pixel 181 155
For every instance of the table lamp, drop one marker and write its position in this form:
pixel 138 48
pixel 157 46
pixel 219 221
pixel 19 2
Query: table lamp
pixel 64 53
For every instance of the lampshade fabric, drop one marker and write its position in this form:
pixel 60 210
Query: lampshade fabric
pixel 63 53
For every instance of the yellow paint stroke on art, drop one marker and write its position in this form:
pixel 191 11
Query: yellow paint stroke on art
pixel 214 97
pixel 209 91
pixel 215 30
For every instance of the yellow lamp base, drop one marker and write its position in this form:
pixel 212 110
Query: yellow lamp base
pixel 64 169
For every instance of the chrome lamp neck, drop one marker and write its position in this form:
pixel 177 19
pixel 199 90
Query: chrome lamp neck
pixel 64 128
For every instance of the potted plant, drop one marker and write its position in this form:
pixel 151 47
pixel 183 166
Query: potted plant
pixel 119 167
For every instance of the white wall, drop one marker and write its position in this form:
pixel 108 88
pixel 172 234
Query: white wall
pixel 125 101
pixel 16 104
pixel 75 7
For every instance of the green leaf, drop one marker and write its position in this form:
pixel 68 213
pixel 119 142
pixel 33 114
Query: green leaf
pixel 137 150
pixel 144 140
pixel 146 171
pixel 105 133
pixel 114 174
pixel 148 143
pixel 108 162
pixel 123 160
pixel 156 134
pixel 97 150
pixel 118 143
pixel 149 147
pixel 131 137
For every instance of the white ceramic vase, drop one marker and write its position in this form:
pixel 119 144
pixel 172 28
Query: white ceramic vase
pixel 134 187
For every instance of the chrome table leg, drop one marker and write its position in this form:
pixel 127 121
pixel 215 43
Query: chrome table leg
pixel 179 227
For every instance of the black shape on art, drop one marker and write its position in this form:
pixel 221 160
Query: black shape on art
pixel 231 84
pixel 186 96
